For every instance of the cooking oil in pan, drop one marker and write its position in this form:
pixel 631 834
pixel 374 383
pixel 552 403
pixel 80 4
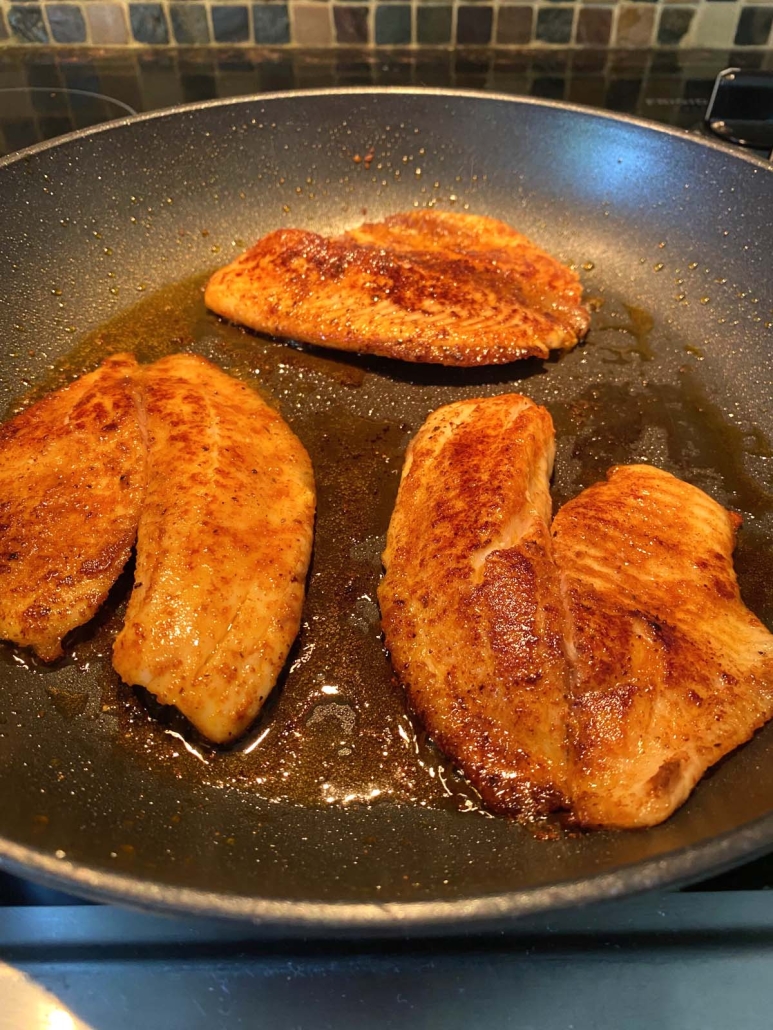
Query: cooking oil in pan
pixel 336 729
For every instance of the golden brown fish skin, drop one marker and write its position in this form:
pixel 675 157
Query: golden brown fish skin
pixel 470 605
pixel 548 286
pixel 599 668
pixel 671 670
pixel 223 548
pixel 428 286
pixel 72 476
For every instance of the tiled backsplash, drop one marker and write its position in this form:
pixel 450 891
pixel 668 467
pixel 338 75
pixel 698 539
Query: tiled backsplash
pixel 389 23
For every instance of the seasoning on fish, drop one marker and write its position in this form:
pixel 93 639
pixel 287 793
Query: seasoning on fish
pixel 669 669
pixel 72 475
pixel 427 286
pixel 223 548
pixel 470 605
pixel 600 669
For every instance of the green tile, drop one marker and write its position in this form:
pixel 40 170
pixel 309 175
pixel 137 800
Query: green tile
pixel 433 24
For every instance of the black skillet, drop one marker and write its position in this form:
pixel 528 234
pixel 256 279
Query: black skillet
pixel 336 814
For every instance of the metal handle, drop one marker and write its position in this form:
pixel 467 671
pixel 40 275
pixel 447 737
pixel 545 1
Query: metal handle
pixel 740 110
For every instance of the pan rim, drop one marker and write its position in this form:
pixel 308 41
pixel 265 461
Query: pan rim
pixel 561 105
pixel 496 912
pixel 368 918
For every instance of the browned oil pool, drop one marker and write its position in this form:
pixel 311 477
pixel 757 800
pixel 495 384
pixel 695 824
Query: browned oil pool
pixel 336 730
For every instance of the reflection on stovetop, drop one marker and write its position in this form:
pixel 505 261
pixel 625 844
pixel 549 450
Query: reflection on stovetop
pixel 47 93
pixel 15 891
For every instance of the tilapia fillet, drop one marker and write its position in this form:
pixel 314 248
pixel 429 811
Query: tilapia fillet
pixel 223 548
pixel 670 670
pixel 72 475
pixel 429 286
pixel 597 667
pixel 469 602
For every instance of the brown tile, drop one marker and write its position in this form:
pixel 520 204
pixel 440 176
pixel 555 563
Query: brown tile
pixel 635 25
pixel 594 26
pixel 473 25
pixel 626 61
pixel 507 82
pixel 512 63
pixel 590 90
pixel 589 60
pixel 311 24
pixel 107 23
pixel 352 24
pixel 514 24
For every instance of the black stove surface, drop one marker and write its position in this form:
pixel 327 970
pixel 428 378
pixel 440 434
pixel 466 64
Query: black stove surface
pixel 699 958
pixel 44 93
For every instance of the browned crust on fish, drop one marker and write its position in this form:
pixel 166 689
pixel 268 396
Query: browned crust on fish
pixel 224 545
pixel 599 669
pixel 470 605
pixel 671 670
pixel 426 286
pixel 72 475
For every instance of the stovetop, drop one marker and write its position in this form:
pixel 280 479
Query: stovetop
pixel 698 958
pixel 48 92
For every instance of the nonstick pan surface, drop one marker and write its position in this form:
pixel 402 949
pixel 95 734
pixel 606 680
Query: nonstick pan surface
pixel 336 814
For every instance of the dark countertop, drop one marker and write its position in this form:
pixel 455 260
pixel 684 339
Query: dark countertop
pixel 671 87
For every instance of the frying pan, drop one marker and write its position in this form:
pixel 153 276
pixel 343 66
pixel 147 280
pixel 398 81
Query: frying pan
pixel 336 814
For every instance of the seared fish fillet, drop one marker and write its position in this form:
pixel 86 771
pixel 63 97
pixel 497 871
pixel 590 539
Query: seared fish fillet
pixel 72 475
pixel 670 670
pixel 427 286
pixel 601 671
pixel 470 602
pixel 223 548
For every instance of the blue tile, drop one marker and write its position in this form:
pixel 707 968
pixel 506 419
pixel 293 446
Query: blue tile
pixel 230 23
pixel 393 24
pixel 554 25
pixel 27 25
pixel 148 23
pixel 66 22
pixel 189 23
pixel 271 23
